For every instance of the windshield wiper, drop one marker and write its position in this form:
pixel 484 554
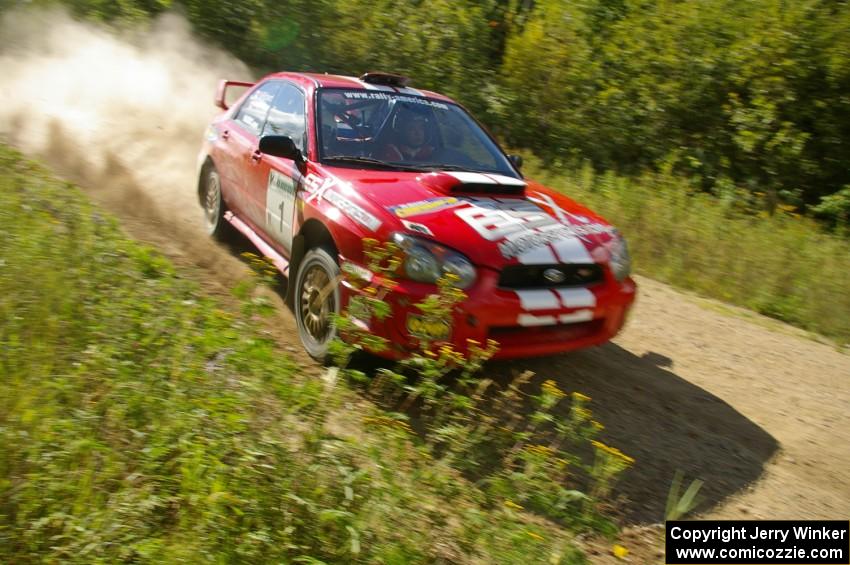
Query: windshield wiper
pixel 370 161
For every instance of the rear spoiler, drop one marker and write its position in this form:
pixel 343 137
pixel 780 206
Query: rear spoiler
pixel 221 91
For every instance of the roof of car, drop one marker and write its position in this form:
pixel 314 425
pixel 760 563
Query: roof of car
pixel 318 80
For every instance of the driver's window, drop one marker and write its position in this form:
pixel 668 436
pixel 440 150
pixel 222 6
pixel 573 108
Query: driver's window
pixel 286 116
pixel 254 110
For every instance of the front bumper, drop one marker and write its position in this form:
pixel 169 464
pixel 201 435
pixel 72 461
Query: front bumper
pixel 525 323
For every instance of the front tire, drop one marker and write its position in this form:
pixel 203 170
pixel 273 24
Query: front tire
pixel 213 205
pixel 317 299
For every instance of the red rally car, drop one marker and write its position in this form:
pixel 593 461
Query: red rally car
pixel 307 166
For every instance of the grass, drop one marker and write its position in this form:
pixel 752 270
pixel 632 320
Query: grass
pixel 784 266
pixel 144 422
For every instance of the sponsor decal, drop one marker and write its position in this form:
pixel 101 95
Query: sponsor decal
pixel 424 206
pixel 428 327
pixel 563 216
pixel 372 95
pixel 531 239
pixel 319 189
pixel 418 228
pixel 495 223
pixel 316 186
pixel 352 210
pixel 522 228
pixel 280 201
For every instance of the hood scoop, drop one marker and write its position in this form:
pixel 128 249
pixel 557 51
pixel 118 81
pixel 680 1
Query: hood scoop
pixel 471 183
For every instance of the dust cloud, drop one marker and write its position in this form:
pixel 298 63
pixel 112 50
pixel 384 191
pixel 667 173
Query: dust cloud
pixel 122 115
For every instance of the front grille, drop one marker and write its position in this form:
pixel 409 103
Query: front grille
pixel 532 276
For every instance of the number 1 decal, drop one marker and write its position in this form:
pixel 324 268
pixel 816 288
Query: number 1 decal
pixel 280 207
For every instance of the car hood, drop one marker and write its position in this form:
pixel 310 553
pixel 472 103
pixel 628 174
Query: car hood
pixel 492 219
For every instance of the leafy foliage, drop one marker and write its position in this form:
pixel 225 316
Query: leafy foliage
pixel 724 247
pixel 753 93
pixel 142 421
pixel 507 439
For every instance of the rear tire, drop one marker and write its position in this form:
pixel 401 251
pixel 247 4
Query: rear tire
pixel 313 312
pixel 213 205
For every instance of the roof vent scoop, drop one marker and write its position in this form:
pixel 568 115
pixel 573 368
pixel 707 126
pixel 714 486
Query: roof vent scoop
pixel 386 79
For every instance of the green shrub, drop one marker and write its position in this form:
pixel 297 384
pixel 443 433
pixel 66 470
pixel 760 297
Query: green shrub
pixel 511 440
pixel 784 265
pixel 142 421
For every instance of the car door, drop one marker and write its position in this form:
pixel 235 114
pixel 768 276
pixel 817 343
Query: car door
pixel 239 140
pixel 275 179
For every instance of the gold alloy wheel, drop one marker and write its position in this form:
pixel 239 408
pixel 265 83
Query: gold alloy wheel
pixel 316 303
pixel 212 202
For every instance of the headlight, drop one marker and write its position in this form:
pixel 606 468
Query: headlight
pixel 426 261
pixel 619 259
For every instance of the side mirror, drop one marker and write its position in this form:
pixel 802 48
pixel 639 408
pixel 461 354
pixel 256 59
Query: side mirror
pixel 516 160
pixel 281 146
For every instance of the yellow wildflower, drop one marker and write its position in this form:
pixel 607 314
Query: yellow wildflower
pixel 619 551
pixel 535 535
pixel 613 451
pixel 549 387
pixel 513 505
pixel 581 397
pixel 543 450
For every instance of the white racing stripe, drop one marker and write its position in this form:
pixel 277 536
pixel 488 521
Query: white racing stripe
pixel 408 90
pixel 488 178
pixel 538 299
pixel 575 317
pixel 369 86
pixel 510 181
pixel 571 250
pixel 576 297
pixel 476 178
pixel 537 256
pixel 529 320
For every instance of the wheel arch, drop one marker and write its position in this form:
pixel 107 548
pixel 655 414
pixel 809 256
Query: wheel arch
pixel 202 172
pixel 313 233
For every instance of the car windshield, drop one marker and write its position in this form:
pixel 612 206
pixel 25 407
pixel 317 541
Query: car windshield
pixel 383 129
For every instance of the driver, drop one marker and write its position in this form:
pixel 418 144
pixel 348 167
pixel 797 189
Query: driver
pixel 410 141
pixel 329 128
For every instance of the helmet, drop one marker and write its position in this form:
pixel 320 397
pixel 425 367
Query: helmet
pixel 406 121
